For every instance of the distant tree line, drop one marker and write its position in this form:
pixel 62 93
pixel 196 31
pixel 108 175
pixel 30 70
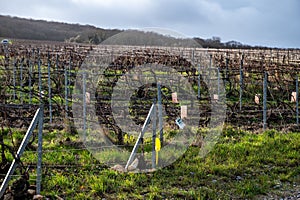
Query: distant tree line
pixel 19 28
pixel 215 42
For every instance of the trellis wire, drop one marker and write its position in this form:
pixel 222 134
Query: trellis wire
pixel 229 73
pixel 225 73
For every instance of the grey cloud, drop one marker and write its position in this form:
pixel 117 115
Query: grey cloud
pixel 256 22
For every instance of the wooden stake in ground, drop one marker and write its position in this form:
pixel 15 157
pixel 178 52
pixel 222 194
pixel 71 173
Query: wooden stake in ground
pixel 183 112
pixel 174 97
pixel 294 97
pixel 87 97
pixel 257 98
pixel 216 97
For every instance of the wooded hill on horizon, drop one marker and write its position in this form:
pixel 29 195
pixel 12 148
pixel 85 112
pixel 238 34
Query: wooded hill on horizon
pixel 30 29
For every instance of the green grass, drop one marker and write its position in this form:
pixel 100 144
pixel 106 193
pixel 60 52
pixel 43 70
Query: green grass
pixel 242 165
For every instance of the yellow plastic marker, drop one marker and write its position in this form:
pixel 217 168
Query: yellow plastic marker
pixel 126 138
pixel 131 138
pixel 157 144
pixel 157 148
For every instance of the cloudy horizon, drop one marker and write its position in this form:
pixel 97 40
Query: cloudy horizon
pixel 254 22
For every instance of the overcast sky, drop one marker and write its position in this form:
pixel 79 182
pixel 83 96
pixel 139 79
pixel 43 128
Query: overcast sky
pixel 273 23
